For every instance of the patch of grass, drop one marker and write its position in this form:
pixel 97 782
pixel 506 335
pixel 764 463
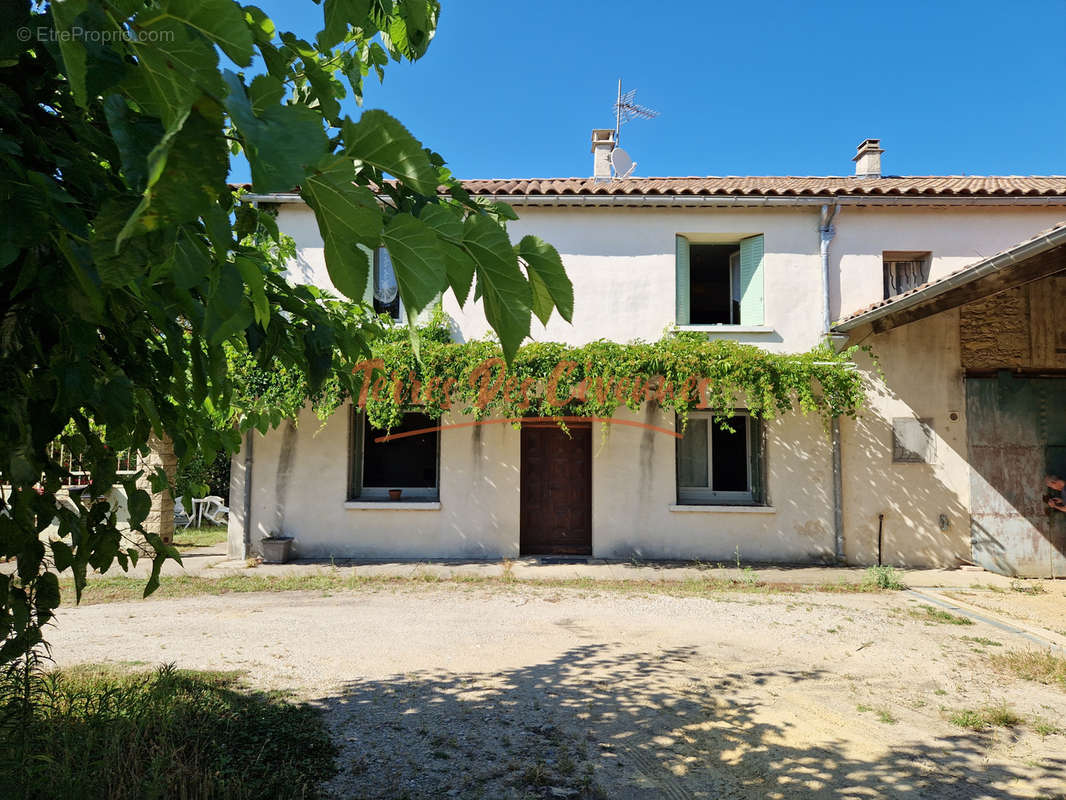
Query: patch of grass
pixel 883 578
pixel 1045 728
pixel 536 775
pixel 122 588
pixel 1028 587
pixel 99 731
pixel 1041 666
pixel 207 536
pixel 883 714
pixel 994 716
pixel 931 614
pixel 982 640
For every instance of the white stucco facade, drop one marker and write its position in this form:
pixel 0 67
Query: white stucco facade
pixel 622 264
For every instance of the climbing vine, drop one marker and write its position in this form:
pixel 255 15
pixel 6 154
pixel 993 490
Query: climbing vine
pixel 682 371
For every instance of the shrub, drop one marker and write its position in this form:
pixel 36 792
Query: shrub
pixel 883 578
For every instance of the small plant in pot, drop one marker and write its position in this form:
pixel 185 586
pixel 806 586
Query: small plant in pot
pixel 276 548
pixel 395 494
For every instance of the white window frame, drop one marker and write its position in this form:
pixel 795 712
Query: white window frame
pixel 357 468
pixel 696 495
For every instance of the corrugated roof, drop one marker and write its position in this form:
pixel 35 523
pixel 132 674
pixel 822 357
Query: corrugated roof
pixel 932 287
pixel 786 186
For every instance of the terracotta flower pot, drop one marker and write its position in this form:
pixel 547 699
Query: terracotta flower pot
pixel 395 494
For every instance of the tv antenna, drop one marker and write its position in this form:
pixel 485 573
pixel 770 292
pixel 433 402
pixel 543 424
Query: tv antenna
pixel 625 110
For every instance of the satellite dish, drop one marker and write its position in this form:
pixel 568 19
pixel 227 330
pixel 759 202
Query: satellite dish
pixel 385 288
pixel 622 163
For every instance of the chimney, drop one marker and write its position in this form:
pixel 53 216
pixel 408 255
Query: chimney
pixel 868 159
pixel 602 145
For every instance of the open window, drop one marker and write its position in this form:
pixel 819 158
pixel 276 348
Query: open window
pixel 408 463
pixel 903 271
pixel 720 283
pixel 717 466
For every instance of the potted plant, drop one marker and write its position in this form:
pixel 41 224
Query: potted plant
pixel 276 548
pixel 395 494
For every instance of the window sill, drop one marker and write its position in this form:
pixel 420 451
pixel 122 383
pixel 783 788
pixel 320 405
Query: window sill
pixel 392 505
pixel 727 328
pixel 710 509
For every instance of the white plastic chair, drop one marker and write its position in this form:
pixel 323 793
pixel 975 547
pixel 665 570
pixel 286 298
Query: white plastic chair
pixel 214 509
pixel 181 518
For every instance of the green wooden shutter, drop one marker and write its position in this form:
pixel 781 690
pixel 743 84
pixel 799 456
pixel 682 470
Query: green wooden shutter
pixel 751 281
pixel 682 281
pixel 368 294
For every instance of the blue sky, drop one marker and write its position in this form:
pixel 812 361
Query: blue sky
pixel 513 88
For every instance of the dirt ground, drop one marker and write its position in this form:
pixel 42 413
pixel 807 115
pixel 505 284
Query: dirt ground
pixel 491 692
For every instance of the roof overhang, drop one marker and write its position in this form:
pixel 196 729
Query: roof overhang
pixel 724 201
pixel 1024 263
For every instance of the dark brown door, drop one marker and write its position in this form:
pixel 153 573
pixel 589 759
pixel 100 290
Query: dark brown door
pixel 556 514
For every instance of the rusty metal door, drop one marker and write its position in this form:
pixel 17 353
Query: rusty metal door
pixel 1016 434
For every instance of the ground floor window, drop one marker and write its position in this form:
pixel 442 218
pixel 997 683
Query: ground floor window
pixel 405 463
pixel 720 467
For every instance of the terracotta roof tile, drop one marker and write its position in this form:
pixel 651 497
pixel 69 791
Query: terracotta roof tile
pixel 786 186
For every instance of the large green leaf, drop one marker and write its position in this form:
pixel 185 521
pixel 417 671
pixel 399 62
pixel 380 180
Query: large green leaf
pixel 193 180
pixel 445 220
pixel 176 66
pixel 418 261
pixel 548 278
pixel 460 269
pixel 221 21
pixel 348 216
pixel 227 309
pixel 382 141
pixel 252 275
pixel 282 142
pixel 73 50
pixel 508 298
pixel 135 136
pixel 338 15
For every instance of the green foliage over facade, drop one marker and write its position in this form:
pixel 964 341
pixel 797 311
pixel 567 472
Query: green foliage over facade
pixel 681 372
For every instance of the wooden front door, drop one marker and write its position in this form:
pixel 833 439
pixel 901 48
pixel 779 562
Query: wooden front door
pixel 556 501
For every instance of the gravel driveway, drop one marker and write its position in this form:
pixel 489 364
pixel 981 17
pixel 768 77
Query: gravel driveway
pixel 494 692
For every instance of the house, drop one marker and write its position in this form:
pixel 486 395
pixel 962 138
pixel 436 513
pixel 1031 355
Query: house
pixel 768 261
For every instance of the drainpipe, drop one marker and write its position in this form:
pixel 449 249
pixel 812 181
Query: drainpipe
pixel 826 232
pixel 248 442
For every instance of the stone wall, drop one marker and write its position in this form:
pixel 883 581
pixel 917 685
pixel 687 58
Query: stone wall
pixel 161 518
pixel 1022 328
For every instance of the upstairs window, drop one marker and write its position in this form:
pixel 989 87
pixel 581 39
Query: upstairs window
pixel 720 467
pixel 720 283
pixel 904 271
pixel 409 463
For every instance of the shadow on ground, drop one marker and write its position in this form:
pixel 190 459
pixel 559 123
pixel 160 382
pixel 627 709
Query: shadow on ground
pixel 599 723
